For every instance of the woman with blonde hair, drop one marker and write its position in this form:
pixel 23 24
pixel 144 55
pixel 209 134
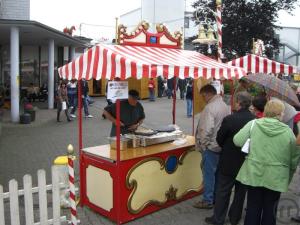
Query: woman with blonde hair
pixel 270 164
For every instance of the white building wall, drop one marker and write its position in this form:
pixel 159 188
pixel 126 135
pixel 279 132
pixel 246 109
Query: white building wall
pixel 131 19
pixel 15 9
pixel 191 29
pixel 170 12
pixel 290 36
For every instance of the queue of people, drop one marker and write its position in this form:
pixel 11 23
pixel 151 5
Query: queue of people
pixel 264 171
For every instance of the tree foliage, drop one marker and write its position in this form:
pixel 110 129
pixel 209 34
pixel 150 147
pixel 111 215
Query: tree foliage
pixel 244 20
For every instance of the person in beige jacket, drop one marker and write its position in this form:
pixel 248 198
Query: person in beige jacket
pixel 208 126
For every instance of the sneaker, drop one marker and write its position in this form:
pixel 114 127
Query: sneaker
pixel 203 205
pixel 89 116
pixel 73 115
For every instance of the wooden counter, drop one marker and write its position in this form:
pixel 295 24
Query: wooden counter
pixel 147 179
pixel 105 152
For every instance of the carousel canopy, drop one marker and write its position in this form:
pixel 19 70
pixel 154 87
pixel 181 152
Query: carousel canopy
pixel 110 61
pixel 257 64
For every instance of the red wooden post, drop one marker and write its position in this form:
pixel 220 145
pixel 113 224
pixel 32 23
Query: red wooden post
pixel 118 139
pixel 80 114
pixel 174 101
pixel 80 140
pixel 193 108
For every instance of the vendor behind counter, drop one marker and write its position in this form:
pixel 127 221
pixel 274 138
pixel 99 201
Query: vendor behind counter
pixel 131 114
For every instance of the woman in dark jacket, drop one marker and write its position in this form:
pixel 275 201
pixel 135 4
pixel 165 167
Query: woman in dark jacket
pixel 62 95
pixel 231 160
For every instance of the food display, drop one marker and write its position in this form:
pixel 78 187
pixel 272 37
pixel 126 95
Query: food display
pixel 145 136
pixel 144 131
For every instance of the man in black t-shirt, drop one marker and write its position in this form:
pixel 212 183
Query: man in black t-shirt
pixel 131 114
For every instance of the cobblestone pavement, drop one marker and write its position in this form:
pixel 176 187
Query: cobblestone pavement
pixel 26 148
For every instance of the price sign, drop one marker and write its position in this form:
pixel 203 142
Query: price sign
pixel 117 90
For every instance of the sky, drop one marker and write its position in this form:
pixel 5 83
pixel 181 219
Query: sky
pixel 65 13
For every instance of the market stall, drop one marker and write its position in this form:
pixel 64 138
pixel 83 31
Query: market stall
pixel 153 173
pixel 141 85
pixel 258 64
pixel 97 87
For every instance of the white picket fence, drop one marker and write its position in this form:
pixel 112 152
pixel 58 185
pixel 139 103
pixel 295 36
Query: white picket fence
pixel 28 192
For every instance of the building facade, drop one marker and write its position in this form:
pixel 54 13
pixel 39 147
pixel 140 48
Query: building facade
pixel 30 52
pixel 290 45
pixel 15 9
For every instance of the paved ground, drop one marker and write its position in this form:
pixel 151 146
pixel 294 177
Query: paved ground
pixel 26 148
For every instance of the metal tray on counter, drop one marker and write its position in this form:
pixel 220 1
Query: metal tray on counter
pixel 159 138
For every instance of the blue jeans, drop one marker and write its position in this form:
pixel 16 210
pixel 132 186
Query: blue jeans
pixel 72 98
pixel 169 93
pixel 85 106
pixel 151 95
pixel 189 107
pixel 210 164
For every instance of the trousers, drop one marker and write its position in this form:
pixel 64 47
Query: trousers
pixel 210 164
pixel 222 200
pixel 261 206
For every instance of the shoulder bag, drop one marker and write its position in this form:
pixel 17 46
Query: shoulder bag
pixel 246 146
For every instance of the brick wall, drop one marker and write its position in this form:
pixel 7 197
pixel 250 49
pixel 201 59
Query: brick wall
pixel 15 9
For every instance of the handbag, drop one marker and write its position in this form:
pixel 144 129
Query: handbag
pixel 246 146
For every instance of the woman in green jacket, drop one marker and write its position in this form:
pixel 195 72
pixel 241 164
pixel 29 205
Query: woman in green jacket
pixel 270 164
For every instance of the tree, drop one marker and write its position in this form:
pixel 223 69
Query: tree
pixel 244 20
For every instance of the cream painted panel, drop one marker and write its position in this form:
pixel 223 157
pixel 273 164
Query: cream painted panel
pixel 188 175
pixel 99 187
pixel 165 41
pixel 141 38
pixel 148 178
pixel 153 181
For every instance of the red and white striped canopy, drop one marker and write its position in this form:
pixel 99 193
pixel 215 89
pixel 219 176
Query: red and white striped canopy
pixel 257 64
pixel 110 61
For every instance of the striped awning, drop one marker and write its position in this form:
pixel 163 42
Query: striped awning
pixel 111 61
pixel 257 64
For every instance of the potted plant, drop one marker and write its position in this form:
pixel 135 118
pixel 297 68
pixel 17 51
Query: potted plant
pixel 28 108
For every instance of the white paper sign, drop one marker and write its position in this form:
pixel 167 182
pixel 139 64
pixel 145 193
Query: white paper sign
pixel 218 86
pixel 64 105
pixel 117 90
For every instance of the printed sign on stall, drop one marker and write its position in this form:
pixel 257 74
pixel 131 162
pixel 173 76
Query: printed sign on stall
pixel 117 90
